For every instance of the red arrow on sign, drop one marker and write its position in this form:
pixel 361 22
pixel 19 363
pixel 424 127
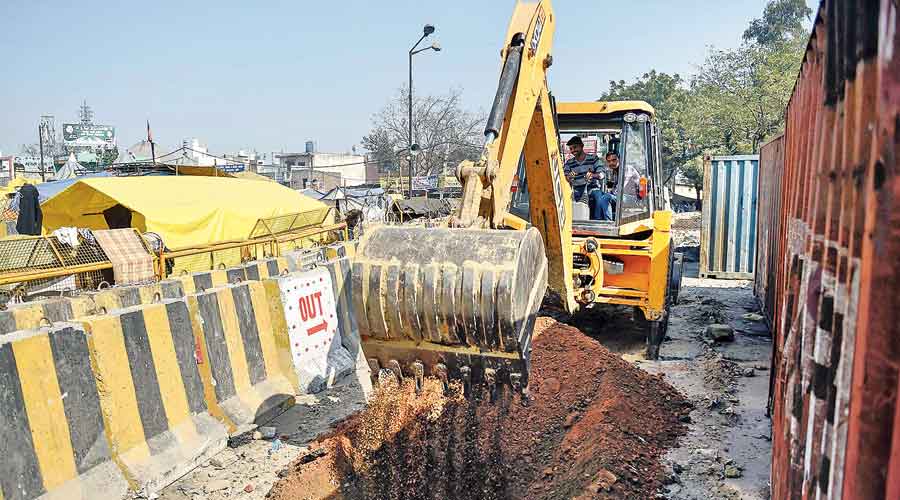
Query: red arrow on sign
pixel 321 327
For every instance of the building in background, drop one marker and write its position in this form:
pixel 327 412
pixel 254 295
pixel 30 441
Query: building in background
pixel 251 160
pixel 318 170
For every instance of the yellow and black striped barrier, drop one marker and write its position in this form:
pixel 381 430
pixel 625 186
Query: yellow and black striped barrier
pixel 110 299
pixel 206 280
pixel 136 397
pixel 266 268
pixel 52 434
pixel 340 270
pixel 30 315
pixel 153 402
pixel 240 353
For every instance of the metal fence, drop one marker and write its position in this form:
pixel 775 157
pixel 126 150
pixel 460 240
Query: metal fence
pixel 834 298
pixel 35 265
pixel 728 237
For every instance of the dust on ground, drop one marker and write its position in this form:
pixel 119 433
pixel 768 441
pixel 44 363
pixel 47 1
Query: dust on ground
pixel 248 468
pixel 593 426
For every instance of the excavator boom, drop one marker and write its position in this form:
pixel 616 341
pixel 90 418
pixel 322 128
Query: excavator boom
pixel 459 302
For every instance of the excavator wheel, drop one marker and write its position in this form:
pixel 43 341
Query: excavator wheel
pixel 456 304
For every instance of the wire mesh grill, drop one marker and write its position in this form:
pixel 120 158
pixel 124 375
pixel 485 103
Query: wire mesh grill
pixel 33 254
pixel 273 226
pixel 37 265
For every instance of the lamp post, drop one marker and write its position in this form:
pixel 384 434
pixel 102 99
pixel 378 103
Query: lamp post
pixel 414 148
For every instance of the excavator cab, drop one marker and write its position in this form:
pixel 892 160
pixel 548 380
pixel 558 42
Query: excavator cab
pixel 626 128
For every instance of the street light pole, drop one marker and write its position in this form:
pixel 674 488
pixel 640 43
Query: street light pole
pixel 409 143
pixel 41 142
pixel 412 148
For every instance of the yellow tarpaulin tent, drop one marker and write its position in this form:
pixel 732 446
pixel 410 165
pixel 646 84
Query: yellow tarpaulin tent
pixel 185 210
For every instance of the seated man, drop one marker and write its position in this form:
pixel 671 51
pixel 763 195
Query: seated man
pixel 605 202
pixel 584 173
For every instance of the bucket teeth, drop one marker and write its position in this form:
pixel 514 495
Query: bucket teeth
pixel 387 377
pixel 374 370
pixel 394 366
pixel 440 371
pixel 490 382
pixel 418 370
pixel 465 374
pixel 515 382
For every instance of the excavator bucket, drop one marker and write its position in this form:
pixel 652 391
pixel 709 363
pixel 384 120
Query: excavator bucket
pixel 450 303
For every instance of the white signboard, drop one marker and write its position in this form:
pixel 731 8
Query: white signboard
pixel 311 316
pixel 32 164
pixel 6 166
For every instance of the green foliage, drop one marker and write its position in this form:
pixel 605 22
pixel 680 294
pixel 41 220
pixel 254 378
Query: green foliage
pixel 782 21
pixel 665 93
pixel 737 99
pixel 108 155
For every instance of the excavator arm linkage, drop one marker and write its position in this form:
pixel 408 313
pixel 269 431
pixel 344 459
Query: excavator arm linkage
pixel 459 302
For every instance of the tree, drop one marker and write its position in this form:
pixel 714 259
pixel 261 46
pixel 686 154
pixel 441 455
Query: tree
pixel 692 172
pixel 445 132
pixel 667 94
pixel 739 95
pixel 782 21
pixel 107 155
pixel 736 100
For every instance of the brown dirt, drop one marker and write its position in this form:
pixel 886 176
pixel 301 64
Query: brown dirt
pixel 594 427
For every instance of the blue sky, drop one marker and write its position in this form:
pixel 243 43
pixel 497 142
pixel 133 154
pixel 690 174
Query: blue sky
pixel 270 75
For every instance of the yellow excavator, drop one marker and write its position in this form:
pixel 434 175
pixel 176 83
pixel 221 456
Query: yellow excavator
pixel 459 302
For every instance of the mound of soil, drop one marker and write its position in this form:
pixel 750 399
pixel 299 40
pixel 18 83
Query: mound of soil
pixel 593 427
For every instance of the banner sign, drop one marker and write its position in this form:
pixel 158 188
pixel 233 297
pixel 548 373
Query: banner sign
pixel 231 169
pixel 78 134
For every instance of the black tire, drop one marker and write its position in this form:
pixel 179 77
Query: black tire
pixel 655 331
pixel 676 267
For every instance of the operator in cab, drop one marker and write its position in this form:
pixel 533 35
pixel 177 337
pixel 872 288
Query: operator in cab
pixel 606 201
pixel 585 174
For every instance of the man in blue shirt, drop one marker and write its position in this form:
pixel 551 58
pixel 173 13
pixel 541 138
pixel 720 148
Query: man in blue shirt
pixel 585 173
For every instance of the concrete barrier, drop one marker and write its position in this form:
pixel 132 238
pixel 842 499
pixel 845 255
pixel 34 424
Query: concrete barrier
pixel 52 434
pixel 340 249
pixel 241 358
pixel 196 282
pixel 128 296
pixel 340 271
pixel 312 305
pixel 31 315
pixel 153 403
pixel 304 259
pixel 266 268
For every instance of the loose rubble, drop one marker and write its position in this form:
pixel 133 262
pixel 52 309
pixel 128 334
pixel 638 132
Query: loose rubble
pixel 596 428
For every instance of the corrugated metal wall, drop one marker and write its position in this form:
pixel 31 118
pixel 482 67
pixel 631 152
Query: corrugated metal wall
pixel 768 227
pixel 835 300
pixel 728 236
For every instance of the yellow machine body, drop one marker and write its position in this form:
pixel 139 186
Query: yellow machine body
pixel 459 302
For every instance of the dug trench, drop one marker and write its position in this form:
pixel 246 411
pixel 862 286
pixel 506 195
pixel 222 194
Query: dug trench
pixel 593 426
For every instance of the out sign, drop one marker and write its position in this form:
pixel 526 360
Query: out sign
pixel 310 310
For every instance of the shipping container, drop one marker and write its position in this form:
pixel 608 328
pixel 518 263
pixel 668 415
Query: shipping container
pixel 831 193
pixel 768 227
pixel 728 235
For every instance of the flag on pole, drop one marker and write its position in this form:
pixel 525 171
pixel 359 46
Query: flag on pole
pixel 152 146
